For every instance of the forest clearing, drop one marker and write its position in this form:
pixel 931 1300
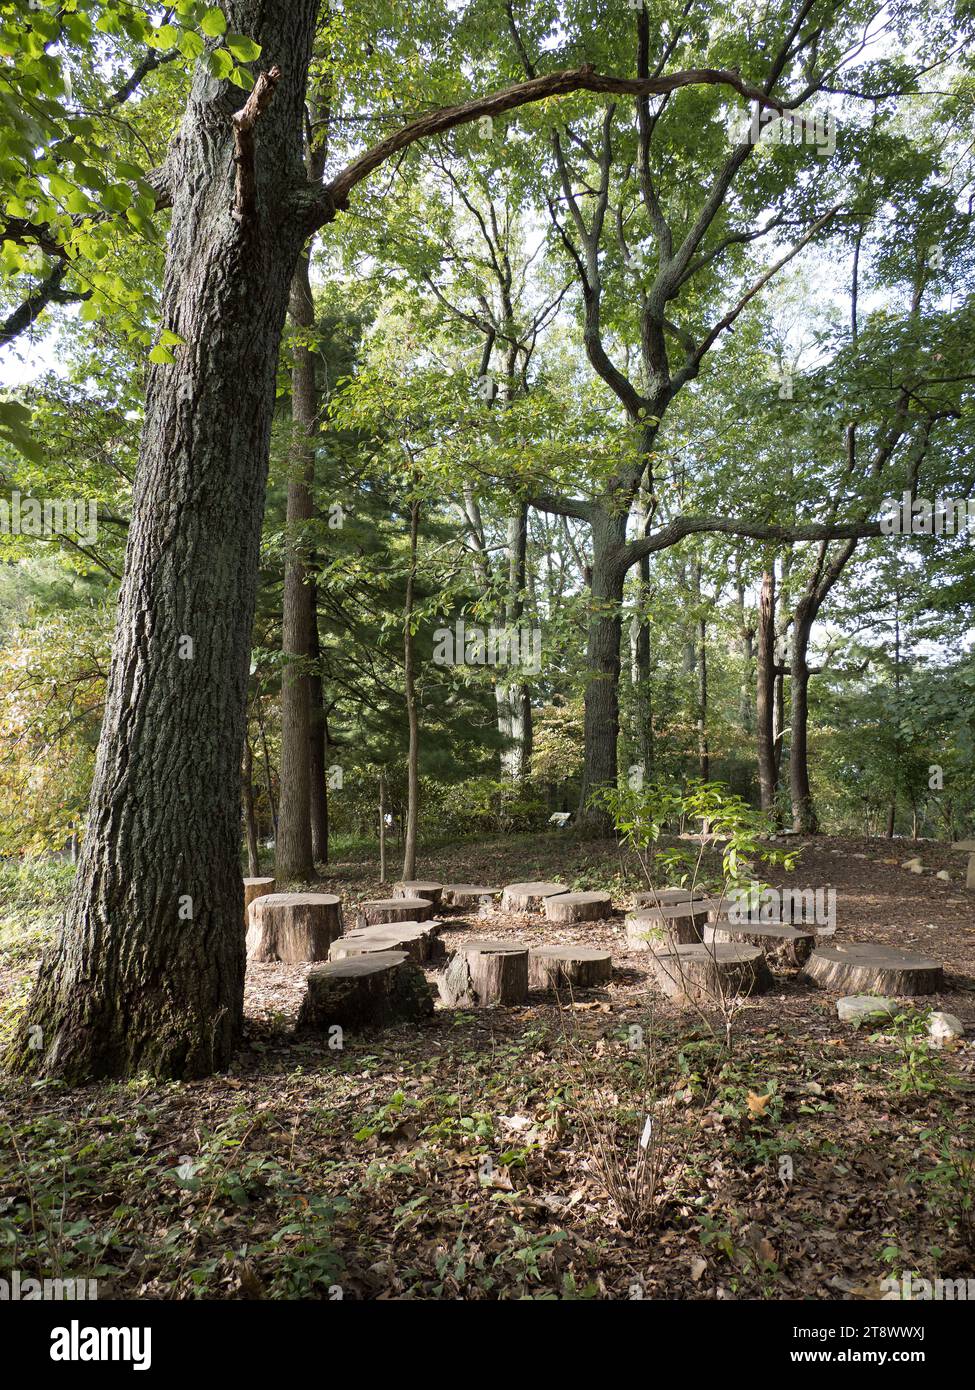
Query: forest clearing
pixel 487 745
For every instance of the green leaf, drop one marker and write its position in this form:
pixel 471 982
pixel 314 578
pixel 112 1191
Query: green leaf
pixel 161 355
pixel 214 23
pixel 245 50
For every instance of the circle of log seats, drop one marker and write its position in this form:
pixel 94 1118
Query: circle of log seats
pixel 255 888
pixel 677 924
pixel 293 927
pixel 485 972
pixel 862 967
pixel 529 897
pixel 782 943
pixel 467 895
pixel 578 907
pixel 418 888
pixel 707 974
pixel 364 991
pixel 665 897
pixel 376 911
pixel 581 967
pixel 417 939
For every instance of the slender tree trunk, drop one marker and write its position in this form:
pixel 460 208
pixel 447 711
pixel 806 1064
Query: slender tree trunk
pixel 765 693
pixel 148 969
pixel 382 825
pixel 294 854
pixel 317 748
pixel 804 818
pixel 704 753
pixel 412 715
pixel 514 698
pixel 746 701
pixel 250 819
pixel 602 715
pixel 641 734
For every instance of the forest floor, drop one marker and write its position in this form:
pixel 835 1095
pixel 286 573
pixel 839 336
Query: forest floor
pixel 487 1154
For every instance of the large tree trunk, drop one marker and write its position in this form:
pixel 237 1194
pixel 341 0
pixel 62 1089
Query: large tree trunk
pixel 703 750
pixel 765 693
pixel 294 858
pixel 148 969
pixel 602 714
pixel 641 733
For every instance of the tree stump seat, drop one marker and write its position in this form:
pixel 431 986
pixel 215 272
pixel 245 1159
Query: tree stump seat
pixel 666 897
pixel 469 895
pixel 418 940
pixel 365 991
pixel 375 911
pixel 676 924
pixel 579 967
pixel 255 888
pixel 864 967
pixel 782 943
pixel 578 907
pixel 529 897
pixel 484 972
pixel 419 888
pixel 293 927
pixel 707 974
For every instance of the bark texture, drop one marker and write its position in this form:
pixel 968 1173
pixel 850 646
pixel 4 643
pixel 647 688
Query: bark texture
pixel 148 969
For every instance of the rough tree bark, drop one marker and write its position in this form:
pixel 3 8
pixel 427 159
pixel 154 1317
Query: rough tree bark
pixel 148 969
pixel 412 713
pixel 765 693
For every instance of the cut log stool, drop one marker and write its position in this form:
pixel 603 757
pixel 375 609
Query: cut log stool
pixel 529 897
pixel 782 943
pixel 375 911
pixel 859 967
pixel 706 975
pixel 578 907
pixel 666 897
pixel 679 924
pixel 969 847
pixel 486 972
pixel 364 991
pixel 417 939
pixel 293 926
pixel 255 888
pixel 581 967
pixel 469 895
pixel 419 888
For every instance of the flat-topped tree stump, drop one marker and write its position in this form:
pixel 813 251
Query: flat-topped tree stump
pixel 781 942
pixel 375 911
pixel 861 967
pixel 486 972
pixel 529 897
pixel 559 967
pixel 578 907
pixel 469 895
pixel 255 888
pixel 293 926
pixel 666 897
pixel 676 924
pixel 707 974
pixel 418 940
pixel 419 888
pixel 364 991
